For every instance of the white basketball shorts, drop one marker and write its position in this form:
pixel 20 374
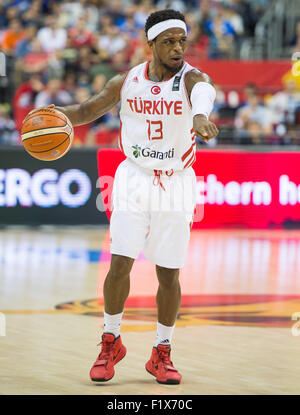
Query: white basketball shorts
pixel 152 213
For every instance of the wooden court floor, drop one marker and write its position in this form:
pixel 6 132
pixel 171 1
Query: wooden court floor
pixel 235 333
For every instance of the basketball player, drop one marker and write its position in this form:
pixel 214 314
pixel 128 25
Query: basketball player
pixel 164 104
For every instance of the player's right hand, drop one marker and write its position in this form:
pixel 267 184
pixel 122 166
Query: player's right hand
pixel 204 128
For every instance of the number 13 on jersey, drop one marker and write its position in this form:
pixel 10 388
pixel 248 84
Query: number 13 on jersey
pixel 155 130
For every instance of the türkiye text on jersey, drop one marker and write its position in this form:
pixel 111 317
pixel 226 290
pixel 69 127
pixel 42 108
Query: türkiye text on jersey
pixel 159 107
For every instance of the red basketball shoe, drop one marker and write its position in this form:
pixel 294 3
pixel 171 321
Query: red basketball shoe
pixel 112 351
pixel 161 367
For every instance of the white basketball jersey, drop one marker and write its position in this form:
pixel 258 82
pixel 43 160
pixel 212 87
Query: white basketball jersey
pixel 156 130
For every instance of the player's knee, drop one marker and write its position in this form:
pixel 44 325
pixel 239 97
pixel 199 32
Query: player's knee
pixel 167 277
pixel 120 268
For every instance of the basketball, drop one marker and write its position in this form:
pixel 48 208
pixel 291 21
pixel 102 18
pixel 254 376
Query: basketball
pixel 47 134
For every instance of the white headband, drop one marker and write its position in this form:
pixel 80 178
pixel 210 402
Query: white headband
pixel 165 25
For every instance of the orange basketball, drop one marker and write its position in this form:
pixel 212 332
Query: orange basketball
pixel 47 134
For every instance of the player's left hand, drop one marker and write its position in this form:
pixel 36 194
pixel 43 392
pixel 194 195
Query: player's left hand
pixel 204 128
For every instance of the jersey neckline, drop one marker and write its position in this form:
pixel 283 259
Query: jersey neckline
pixel 159 82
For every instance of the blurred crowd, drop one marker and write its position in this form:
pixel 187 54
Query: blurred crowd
pixel 63 52
pixel 253 117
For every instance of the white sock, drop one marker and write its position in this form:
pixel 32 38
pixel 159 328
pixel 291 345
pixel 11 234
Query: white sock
pixel 164 334
pixel 112 323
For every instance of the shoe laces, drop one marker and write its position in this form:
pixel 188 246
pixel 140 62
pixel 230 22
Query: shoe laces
pixel 165 356
pixel 106 349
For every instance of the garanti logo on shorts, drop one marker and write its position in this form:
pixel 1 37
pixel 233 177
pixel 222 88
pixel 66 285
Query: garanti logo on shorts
pixel 138 151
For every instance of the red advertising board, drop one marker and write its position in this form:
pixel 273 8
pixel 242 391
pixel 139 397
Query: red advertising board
pixel 239 73
pixel 237 188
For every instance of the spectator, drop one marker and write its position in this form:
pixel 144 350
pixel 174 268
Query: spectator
pixel 198 42
pixel 221 35
pixel 204 14
pixel 8 134
pixel 116 12
pixel 105 24
pixel 52 37
pixel 253 121
pixel 82 135
pixel 223 115
pixel 129 27
pixel 11 12
pixel 138 50
pixel 143 9
pixel 79 35
pixel 24 45
pixel 244 9
pixel 24 98
pixel 101 68
pixel 104 129
pixel 73 10
pixel 84 61
pixel 12 36
pixel 22 49
pixel 20 5
pixel 295 45
pixel 193 27
pixel 172 4
pixel 33 15
pixel 97 85
pixel 82 94
pixel 111 40
pixel 220 102
pixel 234 19
pixel 36 61
pixel 249 90
pixel 68 56
pixel 113 122
pixel 285 103
pixel 107 133
pixel 119 61
pixel 70 84
pixel 91 13
pixel 62 17
pixel 53 94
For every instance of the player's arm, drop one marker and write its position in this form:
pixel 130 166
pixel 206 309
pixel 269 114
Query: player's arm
pixel 201 92
pixel 97 105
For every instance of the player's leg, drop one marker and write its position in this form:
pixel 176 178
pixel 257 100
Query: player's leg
pixel 167 246
pixel 117 284
pixel 115 292
pixel 129 226
pixel 168 298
